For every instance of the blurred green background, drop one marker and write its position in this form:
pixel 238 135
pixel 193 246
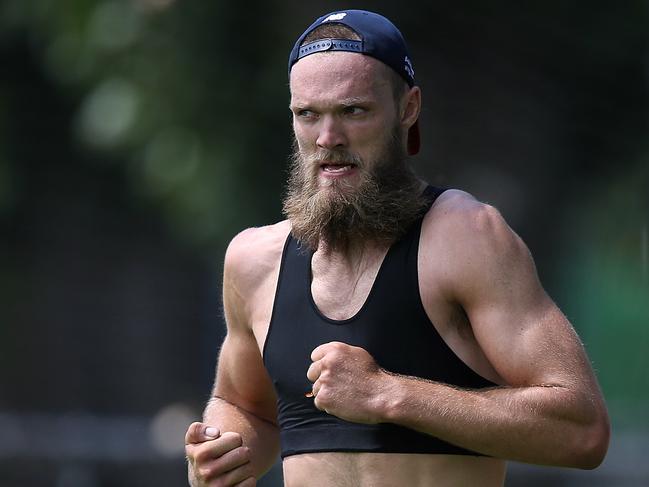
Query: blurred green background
pixel 137 137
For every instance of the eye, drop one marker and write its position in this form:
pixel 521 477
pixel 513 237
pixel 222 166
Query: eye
pixel 305 113
pixel 353 110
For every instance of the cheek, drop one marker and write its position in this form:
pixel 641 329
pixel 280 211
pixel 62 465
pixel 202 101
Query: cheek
pixel 369 137
pixel 303 136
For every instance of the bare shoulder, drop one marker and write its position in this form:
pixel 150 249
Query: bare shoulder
pixel 254 253
pixel 470 227
pixel 459 211
pixel 251 267
pixel 473 246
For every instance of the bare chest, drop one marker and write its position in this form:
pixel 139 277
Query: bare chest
pixel 340 298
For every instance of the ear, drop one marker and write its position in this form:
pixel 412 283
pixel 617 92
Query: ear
pixel 410 107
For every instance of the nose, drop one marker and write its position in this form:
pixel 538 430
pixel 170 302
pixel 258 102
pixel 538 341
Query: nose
pixel 331 134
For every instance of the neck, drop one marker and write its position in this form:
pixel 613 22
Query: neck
pixel 352 255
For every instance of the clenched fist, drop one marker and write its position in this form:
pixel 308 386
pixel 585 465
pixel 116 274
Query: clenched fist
pixel 215 459
pixel 348 383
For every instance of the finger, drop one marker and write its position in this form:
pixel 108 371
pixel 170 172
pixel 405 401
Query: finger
pixel 249 482
pixel 211 474
pixel 199 432
pixel 318 403
pixel 205 453
pixel 239 476
pixel 216 448
pixel 321 350
pixel 314 371
pixel 233 467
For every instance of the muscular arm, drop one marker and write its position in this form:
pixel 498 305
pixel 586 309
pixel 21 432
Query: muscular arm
pixel 235 406
pixel 549 409
pixel 243 399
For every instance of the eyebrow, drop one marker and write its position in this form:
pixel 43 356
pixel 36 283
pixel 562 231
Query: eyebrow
pixel 345 102
pixel 355 101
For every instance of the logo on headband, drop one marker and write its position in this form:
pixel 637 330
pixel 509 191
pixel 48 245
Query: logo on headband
pixel 408 67
pixel 333 17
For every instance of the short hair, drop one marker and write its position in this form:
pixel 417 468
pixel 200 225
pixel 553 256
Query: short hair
pixel 340 31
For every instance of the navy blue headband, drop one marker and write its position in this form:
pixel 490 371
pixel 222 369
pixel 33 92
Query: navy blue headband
pixel 379 39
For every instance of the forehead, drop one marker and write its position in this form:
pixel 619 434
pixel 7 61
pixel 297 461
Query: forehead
pixel 338 75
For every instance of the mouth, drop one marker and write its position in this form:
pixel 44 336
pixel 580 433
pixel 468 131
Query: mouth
pixel 337 168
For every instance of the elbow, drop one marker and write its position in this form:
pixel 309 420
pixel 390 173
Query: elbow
pixel 596 453
pixel 593 444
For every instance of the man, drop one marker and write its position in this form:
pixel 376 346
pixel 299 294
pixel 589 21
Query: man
pixel 387 333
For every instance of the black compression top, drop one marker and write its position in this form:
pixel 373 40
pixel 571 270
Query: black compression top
pixel 392 326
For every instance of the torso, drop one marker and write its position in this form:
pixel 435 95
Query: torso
pixel 390 470
pixel 341 302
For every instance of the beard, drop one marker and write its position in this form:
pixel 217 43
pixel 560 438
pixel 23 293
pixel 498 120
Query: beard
pixel 379 207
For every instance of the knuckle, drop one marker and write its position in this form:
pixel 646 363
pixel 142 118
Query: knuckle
pixel 238 457
pixel 202 455
pixel 189 452
pixel 203 472
pixel 233 438
pixel 192 432
pixel 324 377
pixel 323 399
pixel 199 454
pixel 244 453
pixel 318 403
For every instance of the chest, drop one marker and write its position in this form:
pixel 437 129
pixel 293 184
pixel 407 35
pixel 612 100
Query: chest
pixel 339 293
pixel 378 309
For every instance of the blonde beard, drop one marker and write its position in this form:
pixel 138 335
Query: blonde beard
pixel 379 208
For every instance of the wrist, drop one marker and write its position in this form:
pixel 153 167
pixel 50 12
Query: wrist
pixel 390 399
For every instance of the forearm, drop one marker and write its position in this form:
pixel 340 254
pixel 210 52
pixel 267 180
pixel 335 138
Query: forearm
pixel 543 425
pixel 262 437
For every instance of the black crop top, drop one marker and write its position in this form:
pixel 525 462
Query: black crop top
pixel 392 326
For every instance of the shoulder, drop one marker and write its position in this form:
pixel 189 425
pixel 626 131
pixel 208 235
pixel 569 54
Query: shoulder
pixel 460 219
pixel 254 250
pixel 472 240
pixel 254 255
pixel 257 244
pixel 461 210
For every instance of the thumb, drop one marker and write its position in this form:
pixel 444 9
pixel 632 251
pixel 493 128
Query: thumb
pixel 199 432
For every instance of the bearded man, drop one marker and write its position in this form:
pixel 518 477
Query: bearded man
pixel 388 332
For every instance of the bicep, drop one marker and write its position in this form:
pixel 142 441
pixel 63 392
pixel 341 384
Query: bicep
pixel 527 345
pixel 522 332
